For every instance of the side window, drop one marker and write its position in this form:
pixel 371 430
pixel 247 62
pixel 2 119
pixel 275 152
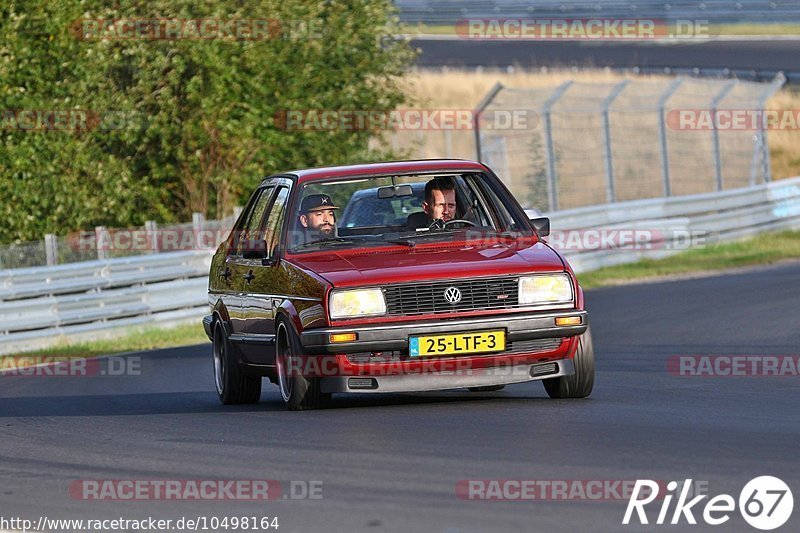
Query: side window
pixel 504 215
pixel 272 227
pixel 252 221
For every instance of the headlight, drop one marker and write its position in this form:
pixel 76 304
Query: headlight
pixel 545 289
pixel 357 302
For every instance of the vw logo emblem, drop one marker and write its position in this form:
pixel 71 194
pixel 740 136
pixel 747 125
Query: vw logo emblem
pixel 452 295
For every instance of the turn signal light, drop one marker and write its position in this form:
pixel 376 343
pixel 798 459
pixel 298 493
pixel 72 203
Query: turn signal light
pixel 343 337
pixel 569 321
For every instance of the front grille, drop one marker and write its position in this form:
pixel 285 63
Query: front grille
pixel 533 345
pixel 429 298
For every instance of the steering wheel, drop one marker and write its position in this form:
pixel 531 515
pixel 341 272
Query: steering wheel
pixel 460 221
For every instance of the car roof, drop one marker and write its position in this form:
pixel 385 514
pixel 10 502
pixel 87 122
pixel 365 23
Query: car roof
pixel 390 167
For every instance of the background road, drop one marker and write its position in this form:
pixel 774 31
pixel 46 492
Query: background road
pixel 392 463
pixel 762 55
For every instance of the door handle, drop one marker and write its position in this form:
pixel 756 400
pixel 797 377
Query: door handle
pixel 226 274
pixel 249 276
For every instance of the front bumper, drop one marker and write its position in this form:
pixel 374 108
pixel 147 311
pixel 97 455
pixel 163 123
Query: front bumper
pixel 385 337
pixel 453 379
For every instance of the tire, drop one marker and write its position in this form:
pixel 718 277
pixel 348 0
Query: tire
pixel 234 385
pixel 488 388
pixel 579 384
pixel 298 392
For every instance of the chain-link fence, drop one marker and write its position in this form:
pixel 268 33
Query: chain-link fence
pixel 587 143
pixel 578 143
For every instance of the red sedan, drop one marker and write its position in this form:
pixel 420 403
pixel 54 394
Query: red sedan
pixel 392 277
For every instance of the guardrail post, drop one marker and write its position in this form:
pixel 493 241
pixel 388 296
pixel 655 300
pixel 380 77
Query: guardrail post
pixel 611 194
pixel 550 152
pixel 198 219
pixel 151 228
pixel 715 132
pixel 662 124
pixel 51 249
pixel 101 239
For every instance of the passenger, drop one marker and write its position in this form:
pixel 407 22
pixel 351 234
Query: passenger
pixel 318 218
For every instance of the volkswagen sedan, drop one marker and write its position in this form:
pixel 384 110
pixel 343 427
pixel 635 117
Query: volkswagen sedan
pixel 392 277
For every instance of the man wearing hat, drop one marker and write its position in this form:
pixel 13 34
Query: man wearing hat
pixel 317 217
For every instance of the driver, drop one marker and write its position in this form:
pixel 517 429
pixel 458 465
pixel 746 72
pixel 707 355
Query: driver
pixel 317 217
pixel 439 205
pixel 440 199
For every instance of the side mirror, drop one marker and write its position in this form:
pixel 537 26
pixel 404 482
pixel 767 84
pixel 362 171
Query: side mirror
pixel 541 225
pixel 255 250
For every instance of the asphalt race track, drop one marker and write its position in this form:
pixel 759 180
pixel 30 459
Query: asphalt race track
pixel 393 463
pixel 750 54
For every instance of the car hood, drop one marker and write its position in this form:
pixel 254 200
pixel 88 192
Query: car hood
pixel 428 262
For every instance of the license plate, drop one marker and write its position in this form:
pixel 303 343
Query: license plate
pixel 458 344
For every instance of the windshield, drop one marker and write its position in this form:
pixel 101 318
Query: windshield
pixel 404 209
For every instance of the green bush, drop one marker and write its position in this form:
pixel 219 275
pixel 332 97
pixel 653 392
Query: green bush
pixel 178 125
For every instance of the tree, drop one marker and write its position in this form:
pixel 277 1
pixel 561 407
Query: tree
pixel 180 124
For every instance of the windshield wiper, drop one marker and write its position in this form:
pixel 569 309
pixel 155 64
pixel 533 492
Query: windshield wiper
pixel 409 240
pixel 325 242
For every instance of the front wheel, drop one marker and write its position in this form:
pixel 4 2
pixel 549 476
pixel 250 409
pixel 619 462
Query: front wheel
pixel 298 392
pixel 579 384
pixel 234 386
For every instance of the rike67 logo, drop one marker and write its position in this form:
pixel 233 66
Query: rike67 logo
pixel 765 503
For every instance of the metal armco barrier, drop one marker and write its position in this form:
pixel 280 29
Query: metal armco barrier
pixel 611 234
pixel 39 305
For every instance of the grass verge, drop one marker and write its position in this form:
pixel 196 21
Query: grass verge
pixel 762 250
pixel 133 340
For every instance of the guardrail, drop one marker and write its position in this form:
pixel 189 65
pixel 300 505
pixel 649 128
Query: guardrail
pixel 718 11
pixel 40 305
pixel 606 235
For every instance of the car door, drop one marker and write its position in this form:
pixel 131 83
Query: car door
pixel 237 267
pixel 264 287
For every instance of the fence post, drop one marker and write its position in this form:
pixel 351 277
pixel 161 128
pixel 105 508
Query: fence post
pixel 715 132
pixel 101 238
pixel 611 194
pixel 550 152
pixel 777 82
pixel 420 144
pixel 198 219
pixel 662 124
pixel 151 228
pixel 476 118
pixel 51 249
